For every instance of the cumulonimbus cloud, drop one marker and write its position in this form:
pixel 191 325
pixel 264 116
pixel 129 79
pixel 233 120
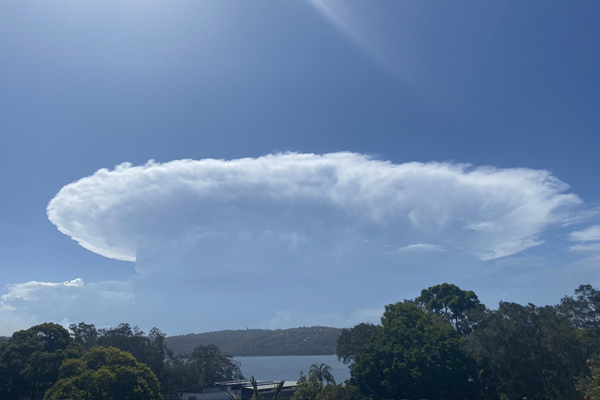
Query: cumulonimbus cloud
pixel 288 200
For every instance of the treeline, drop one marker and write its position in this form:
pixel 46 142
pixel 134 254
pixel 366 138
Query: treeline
pixel 46 361
pixel 446 344
pixel 316 340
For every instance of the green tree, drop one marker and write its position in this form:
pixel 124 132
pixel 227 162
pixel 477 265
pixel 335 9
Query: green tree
pixel 307 389
pixel 528 351
pixel 583 312
pixel 201 368
pixel 352 341
pixel 105 374
pixel 257 395
pixel 458 306
pixel 590 385
pixel 323 372
pixel 150 349
pixel 339 392
pixel 414 354
pixel 30 360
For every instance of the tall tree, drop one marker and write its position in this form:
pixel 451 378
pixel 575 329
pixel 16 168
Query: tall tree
pixel 528 351
pixel 352 341
pixel 583 312
pixel 30 360
pixel 201 368
pixel 323 373
pixel 307 389
pixel 150 349
pixel 105 373
pixel 590 385
pixel 458 306
pixel 415 354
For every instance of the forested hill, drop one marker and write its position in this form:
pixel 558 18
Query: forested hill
pixel 316 340
pixel 3 339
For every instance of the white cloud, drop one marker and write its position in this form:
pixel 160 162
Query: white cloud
pixel 291 232
pixel 422 247
pixel 484 226
pixel 587 235
pixel 585 248
pixel 28 290
pixel 299 198
pixel 29 303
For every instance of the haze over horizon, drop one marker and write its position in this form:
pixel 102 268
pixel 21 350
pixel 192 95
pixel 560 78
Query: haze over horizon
pixel 199 166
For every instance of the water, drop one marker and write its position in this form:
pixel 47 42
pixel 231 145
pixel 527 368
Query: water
pixel 276 368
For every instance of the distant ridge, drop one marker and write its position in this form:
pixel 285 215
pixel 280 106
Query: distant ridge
pixel 3 339
pixel 315 340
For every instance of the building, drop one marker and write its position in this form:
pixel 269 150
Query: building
pixel 242 388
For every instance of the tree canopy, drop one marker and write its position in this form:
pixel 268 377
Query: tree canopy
pixel 105 374
pixel 323 373
pixel 453 303
pixel 352 341
pixel 415 354
pixel 308 389
pixel 30 360
pixel 528 351
pixel 201 368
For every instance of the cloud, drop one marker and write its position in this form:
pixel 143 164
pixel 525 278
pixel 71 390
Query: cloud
pixel 290 199
pixel 219 244
pixel 584 248
pixel 30 303
pixel 29 290
pixel 587 235
pixel 421 247
pixel 484 226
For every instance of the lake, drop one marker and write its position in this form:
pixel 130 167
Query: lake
pixel 275 368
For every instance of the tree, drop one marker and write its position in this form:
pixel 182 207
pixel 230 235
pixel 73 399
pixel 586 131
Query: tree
pixel 454 304
pixel 339 392
pixel 590 385
pixel 107 374
pixel 323 372
pixel 352 341
pixel 307 389
pixel 149 349
pixel 30 360
pixel 201 368
pixel 528 351
pixel 414 354
pixel 583 312
pixel 257 395
pixel 84 334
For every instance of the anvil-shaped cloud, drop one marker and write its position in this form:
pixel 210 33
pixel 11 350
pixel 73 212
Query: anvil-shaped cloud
pixel 269 241
pixel 292 200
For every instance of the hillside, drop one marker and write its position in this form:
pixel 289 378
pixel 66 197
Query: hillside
pixel 3 339
pixel 316 340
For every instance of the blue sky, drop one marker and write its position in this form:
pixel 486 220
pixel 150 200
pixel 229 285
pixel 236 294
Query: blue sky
pixel 368 149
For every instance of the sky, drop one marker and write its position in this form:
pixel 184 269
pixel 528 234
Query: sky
pixel 199 165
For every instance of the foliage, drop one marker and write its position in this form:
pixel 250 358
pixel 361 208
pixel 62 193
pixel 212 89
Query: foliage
pixel 105 374
pixel 257 395
pixel 352 341
pixel 339 392
pixel 30 360
pixel 456 305
pixel 314 340
pixel 590 385
pixel 201 368
pixel 323 372
pixel 528 351
pixel 583 312
pixel 307 389
pixel 415 354
pixel 149 349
